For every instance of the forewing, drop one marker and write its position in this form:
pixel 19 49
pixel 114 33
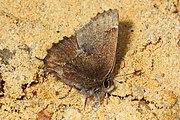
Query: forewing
pixel 99 37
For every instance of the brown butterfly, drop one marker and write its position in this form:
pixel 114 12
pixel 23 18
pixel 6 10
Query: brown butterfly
pixel 85 60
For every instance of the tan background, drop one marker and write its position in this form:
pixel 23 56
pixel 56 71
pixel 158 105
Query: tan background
pixel 148 72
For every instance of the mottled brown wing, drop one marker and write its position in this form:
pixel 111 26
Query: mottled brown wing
pixel 92 37
pixel 99 37
pixel 85 60
pixel 58 57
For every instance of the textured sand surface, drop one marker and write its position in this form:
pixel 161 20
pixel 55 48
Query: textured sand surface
pixel 148 60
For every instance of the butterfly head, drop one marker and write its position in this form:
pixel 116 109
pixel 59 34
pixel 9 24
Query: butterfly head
pixel 100 91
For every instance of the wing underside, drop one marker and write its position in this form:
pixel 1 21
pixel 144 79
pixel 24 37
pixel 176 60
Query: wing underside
pixel 86 59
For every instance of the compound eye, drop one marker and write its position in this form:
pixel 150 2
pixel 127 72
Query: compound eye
pixel 107 84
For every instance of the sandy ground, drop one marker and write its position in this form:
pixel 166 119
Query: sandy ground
pixel 148 60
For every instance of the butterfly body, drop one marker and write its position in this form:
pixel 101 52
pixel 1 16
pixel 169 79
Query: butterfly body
pixel 85 61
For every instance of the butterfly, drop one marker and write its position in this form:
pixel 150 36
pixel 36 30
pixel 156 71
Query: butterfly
pixel 86 60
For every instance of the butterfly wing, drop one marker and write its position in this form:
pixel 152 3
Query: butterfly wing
pixel 58 58
pixel 99 37
pixel 86 59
